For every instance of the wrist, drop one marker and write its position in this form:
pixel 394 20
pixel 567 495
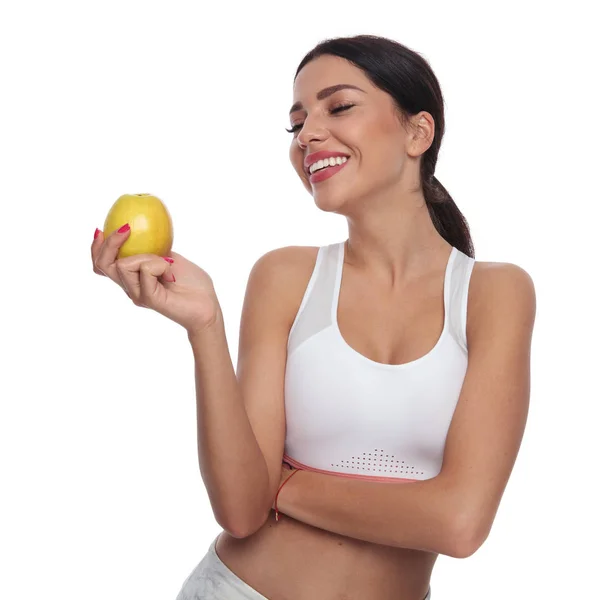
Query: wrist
pixel 278 504
pixel 215 324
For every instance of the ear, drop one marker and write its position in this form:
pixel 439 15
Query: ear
pixel 422 133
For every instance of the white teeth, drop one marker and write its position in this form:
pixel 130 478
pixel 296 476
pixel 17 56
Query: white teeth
pixel 327 162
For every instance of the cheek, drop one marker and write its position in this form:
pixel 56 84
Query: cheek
pixel 385 151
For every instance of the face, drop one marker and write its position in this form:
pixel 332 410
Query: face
pixel 362 123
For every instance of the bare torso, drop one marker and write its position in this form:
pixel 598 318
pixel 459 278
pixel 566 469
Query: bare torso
pixel 290 560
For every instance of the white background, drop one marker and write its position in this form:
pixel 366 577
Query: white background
pixel 100 491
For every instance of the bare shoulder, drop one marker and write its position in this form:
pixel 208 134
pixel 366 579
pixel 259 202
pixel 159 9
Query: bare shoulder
pixel 290 264
pixel 286 271
pixel 290 256
pixel 499 290
pixel 499 278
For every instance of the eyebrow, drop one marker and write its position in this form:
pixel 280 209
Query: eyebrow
pixel 328 91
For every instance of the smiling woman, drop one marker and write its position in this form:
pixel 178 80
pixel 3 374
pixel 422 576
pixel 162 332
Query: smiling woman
pixel 391 368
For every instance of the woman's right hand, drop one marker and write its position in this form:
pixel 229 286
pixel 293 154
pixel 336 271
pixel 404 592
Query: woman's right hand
pixel 148 279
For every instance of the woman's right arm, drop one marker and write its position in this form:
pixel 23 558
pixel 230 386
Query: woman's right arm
pixel 241 419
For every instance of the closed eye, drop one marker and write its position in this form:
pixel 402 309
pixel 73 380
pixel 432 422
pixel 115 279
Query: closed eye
pixel 334 110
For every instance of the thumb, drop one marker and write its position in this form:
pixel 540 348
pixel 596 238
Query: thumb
pixel 150 271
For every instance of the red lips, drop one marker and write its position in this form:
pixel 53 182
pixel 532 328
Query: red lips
pixel 320 155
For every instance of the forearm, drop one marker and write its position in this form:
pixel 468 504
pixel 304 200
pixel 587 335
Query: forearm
pixel 422 515
pixel 231 462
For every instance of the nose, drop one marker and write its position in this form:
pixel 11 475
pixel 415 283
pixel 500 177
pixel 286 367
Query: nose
pixel 312 130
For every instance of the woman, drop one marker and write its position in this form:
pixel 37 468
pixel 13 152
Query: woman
pixel 358 361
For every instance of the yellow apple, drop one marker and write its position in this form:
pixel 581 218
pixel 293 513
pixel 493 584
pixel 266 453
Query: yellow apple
pixel 150 223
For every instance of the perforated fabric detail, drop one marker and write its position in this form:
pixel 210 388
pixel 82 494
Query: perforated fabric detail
pixel 314 313
pixel 377 461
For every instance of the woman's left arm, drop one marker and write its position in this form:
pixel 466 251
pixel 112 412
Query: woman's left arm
pixel 453 512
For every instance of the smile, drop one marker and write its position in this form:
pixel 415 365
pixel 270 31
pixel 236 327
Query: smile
pixel 326 173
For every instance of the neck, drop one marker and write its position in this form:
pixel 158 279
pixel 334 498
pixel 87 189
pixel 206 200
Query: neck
pixel 395 245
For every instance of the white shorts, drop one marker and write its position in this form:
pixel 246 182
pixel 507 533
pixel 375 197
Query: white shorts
pixel 212 579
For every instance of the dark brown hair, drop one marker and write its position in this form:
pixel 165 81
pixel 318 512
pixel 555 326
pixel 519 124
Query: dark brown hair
pixel 407 77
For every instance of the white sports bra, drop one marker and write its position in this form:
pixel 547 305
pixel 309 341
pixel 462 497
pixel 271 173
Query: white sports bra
pixel 351 416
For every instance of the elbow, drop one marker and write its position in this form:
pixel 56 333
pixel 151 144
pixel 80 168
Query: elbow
pixel 467 535
pixel 243 530
pixel 247 515
pixel 238 530
pixel 469 521
pixel 231 528
pixel 250 524
pixel 249 529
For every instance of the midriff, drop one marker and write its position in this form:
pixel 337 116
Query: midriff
pixel 290 560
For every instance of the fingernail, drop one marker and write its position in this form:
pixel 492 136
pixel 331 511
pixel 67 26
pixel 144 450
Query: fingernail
pixel 96 233
pixel 124 228
pixel 168 259
pixel 173 278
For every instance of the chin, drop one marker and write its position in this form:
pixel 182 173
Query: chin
pixel 329 202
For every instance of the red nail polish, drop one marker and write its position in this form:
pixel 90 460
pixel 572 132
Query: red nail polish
pixel 168 259
pixel 96 233
pixel 124 228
